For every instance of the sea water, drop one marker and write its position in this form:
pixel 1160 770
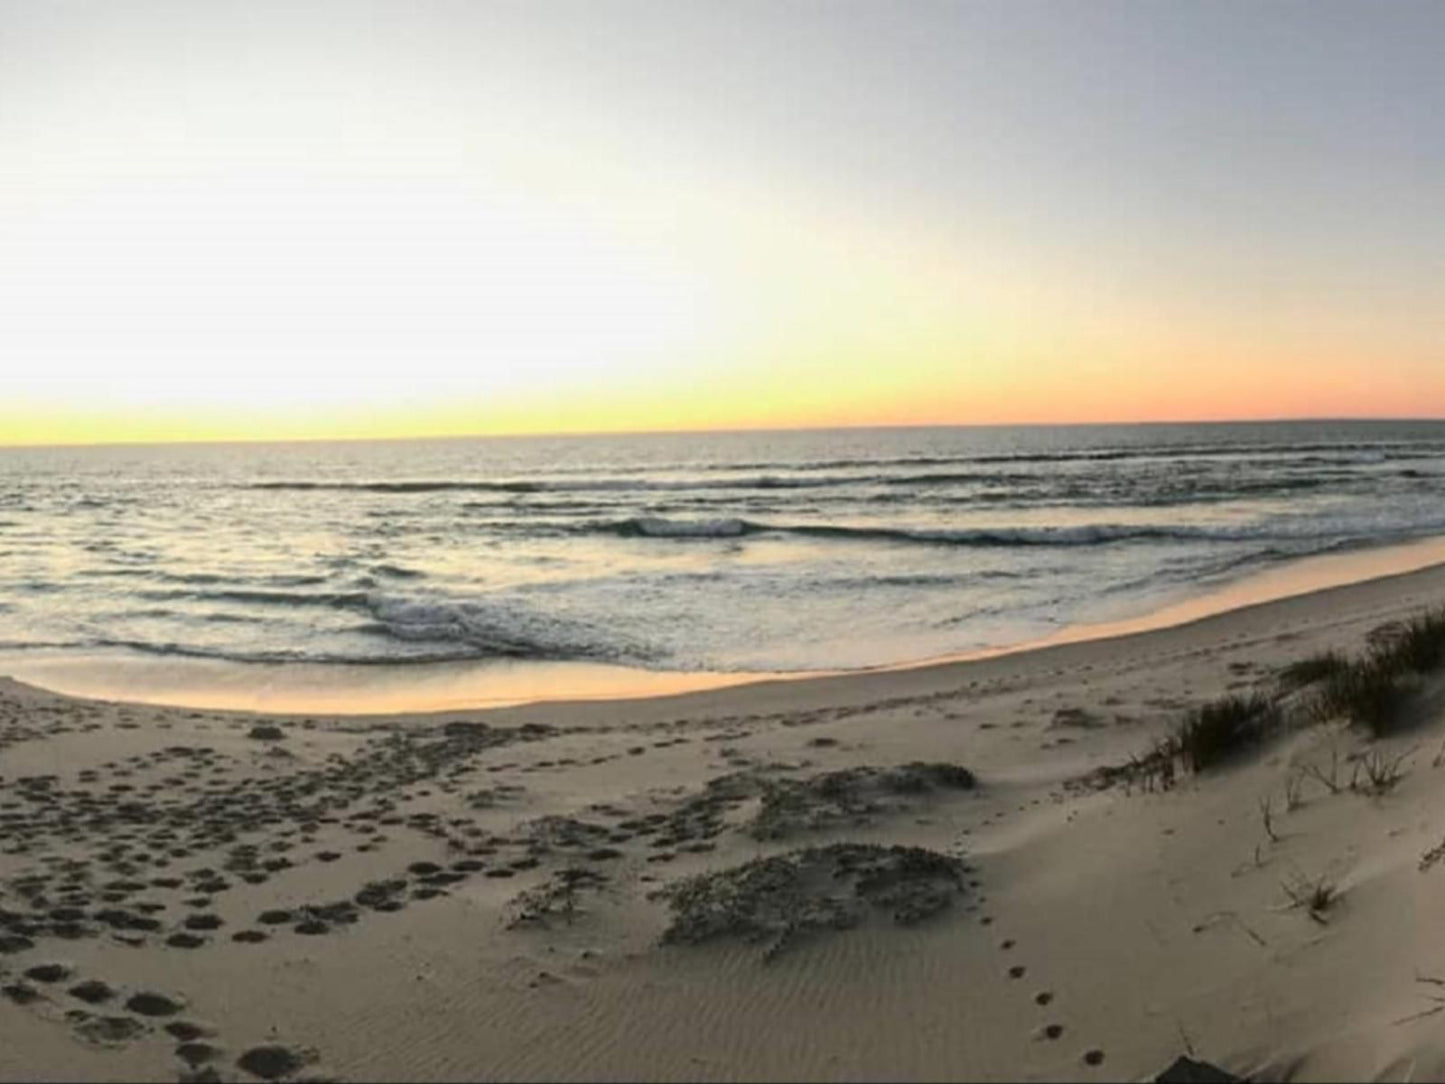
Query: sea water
pixel 749 552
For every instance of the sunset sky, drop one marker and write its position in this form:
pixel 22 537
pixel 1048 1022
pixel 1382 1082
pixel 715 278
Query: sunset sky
pixel 299 219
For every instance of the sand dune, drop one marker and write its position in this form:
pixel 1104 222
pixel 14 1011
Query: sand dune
pixel 212 895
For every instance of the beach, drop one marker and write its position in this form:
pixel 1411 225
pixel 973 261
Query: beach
pixel 493 894
pixel 588 541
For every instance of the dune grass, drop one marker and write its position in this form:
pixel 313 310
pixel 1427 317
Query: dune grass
pixel 1313 670
pixel 1208 737
pixel 1367 693
pixel 1371 690
pixel 1224 727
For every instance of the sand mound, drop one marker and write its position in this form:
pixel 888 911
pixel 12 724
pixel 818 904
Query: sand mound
pixel 783 897
pixel 849 796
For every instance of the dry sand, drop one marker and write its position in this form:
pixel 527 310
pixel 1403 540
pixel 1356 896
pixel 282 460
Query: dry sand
pixel 476 895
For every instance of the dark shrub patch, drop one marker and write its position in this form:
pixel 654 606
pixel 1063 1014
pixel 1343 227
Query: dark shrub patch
pixel 1313 670
pixel 1223 728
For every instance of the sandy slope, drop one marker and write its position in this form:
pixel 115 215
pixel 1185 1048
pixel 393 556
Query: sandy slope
pixel 1097 933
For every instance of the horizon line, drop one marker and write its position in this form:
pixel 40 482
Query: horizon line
pixel 593 433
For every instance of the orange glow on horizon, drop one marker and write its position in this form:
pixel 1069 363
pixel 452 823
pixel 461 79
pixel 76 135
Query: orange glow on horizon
pixel 798 397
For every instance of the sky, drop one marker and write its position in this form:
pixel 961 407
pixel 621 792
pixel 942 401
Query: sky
pixel 273 220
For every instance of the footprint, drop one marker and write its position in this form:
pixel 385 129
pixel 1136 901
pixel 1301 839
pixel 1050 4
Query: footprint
pixel 196 1054
pixel 151 1004
pixel 1093 1057
pixel 187 1031
pixel 48 973
pixel 110 1029
pixel 271 1062
pixel 91 991
pixel 22 993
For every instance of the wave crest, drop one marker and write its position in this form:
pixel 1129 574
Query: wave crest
pixel 1082 535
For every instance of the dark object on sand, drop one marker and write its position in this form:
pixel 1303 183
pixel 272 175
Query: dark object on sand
pixel 267 733
pixel 1188 1071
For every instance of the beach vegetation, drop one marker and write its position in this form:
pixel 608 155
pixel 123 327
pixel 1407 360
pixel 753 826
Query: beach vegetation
pixel 1330 779
pixel 1419 644
pixel 1222 728
pixel 849 796
pixel 776 900
pixel 557 897
pixel 1315 895
pixel 1312 670
pixel 1293 790
pixel 1377 774
pixel 1266 816
pixel 1369 693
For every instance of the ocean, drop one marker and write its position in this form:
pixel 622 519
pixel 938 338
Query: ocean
pixel 744 552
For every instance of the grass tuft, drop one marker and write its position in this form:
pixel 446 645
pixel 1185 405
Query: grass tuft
pixel 1368 693
pixel 1380 773
pixel 1313 670
pixel 1419 646
pixel 1314 895
pixel 1222 728
pixel 1371 691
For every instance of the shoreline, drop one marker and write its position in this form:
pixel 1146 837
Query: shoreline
pixel 390 690
pixel 355 890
